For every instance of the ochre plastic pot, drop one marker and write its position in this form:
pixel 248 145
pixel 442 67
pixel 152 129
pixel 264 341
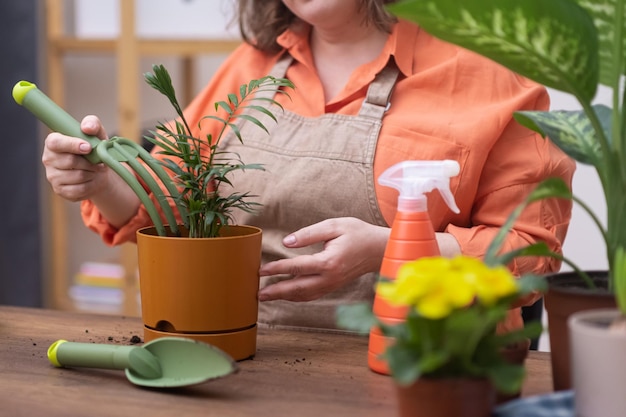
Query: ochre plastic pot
pixel 205 289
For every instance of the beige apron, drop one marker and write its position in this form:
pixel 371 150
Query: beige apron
pixel 315 169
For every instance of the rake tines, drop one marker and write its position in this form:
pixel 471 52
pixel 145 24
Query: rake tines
pixel 113 153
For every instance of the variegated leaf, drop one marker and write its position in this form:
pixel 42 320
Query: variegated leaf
pixel 603 13
pixel 571 131
pixel 553 42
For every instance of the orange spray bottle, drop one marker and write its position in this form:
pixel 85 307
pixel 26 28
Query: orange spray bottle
pixel 412 235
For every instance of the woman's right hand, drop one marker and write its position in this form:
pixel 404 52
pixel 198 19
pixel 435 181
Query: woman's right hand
pixel 70 174
pixel 75 179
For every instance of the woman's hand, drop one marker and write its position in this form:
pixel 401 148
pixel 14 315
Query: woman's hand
pixel 70 174
pixel 351 248
pixel 75 179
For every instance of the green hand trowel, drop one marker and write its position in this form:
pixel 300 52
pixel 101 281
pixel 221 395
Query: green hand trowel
pixel 161 363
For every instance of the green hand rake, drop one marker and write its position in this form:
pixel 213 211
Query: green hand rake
pixel 112 152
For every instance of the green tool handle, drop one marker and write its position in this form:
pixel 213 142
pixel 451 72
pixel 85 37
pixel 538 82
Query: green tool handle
pixel 28 95
pixel 93 355
pixel 109 152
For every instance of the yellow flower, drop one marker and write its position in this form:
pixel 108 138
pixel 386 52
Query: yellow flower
pixel 435 286
pixel 432 285
pixel 495 284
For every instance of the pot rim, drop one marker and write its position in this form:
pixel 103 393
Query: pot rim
pixel 570 283
pixel 594 322
pixel 150 232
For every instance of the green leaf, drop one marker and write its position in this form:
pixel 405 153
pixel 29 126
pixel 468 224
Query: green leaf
pixel 464 329
pixel 603 13
pixel 198 167
pixel 507 378
pixel 404 363
pixel 254 120
pixel 571 131
pixel 619 278
pixel 263 110
pixel 432 361
pixel 160 80
pixel 227 107
pixel 356 317
pixel 232 98
pixel 552 42
pixel 551 187
pixel 530 330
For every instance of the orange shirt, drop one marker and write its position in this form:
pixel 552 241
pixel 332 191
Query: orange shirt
pixel 448 103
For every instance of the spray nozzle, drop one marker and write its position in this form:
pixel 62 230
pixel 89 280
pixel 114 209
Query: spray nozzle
pixel 413 179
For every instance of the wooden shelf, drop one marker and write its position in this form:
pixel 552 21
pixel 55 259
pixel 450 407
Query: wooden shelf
pixel 145 47
pixel 127 49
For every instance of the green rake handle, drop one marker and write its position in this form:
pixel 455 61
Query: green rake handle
pixel 111 152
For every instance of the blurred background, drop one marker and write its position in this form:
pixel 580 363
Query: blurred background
pixel 89 56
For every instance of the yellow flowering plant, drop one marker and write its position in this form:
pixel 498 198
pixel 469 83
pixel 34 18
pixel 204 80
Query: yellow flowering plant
pixel 454 305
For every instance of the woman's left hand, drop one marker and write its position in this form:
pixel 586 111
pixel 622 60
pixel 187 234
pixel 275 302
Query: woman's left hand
pixel 351 248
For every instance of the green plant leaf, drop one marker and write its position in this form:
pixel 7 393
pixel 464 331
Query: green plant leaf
pixel 263 110
pixel 507 378
pixel 571 131
pixel 619 278
pixel 429 362
pixel 603 13
pixel 224 105
pixel 465 328
pixel 536 249
pixel 405 363
pixel 551 187
pixel 254 120
pixel 232 98
pixel 530 330
pixel 552 42
pixel 356 317
pixel 198 167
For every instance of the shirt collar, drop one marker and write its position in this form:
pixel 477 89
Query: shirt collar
pixel 400 45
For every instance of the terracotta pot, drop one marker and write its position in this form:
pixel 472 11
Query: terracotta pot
pixel 515 354
pixel 568 294
pixel 598 362
pixel 446 397
pixel 204 289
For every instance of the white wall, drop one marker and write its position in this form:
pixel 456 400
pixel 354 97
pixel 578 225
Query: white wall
pixel 159 19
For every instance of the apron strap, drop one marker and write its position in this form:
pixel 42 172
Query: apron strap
pixel 377 100
pixel 280 67
pixel 278 71
pixel 378 97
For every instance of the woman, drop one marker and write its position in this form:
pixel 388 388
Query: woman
pixel 370 92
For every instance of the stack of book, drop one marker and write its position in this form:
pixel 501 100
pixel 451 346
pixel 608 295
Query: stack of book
pixel 99 287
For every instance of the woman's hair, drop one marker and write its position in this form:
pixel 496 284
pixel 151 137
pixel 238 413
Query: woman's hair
pixel 262 21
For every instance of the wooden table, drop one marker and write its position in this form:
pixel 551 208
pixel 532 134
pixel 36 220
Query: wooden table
pixel 294 373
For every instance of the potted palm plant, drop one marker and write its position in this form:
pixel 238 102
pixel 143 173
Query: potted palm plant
pixel 572 46
pixel 202 281
pixel 446 356
pixel 198 272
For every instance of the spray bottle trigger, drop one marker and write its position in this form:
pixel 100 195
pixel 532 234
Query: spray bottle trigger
pixel 449 199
